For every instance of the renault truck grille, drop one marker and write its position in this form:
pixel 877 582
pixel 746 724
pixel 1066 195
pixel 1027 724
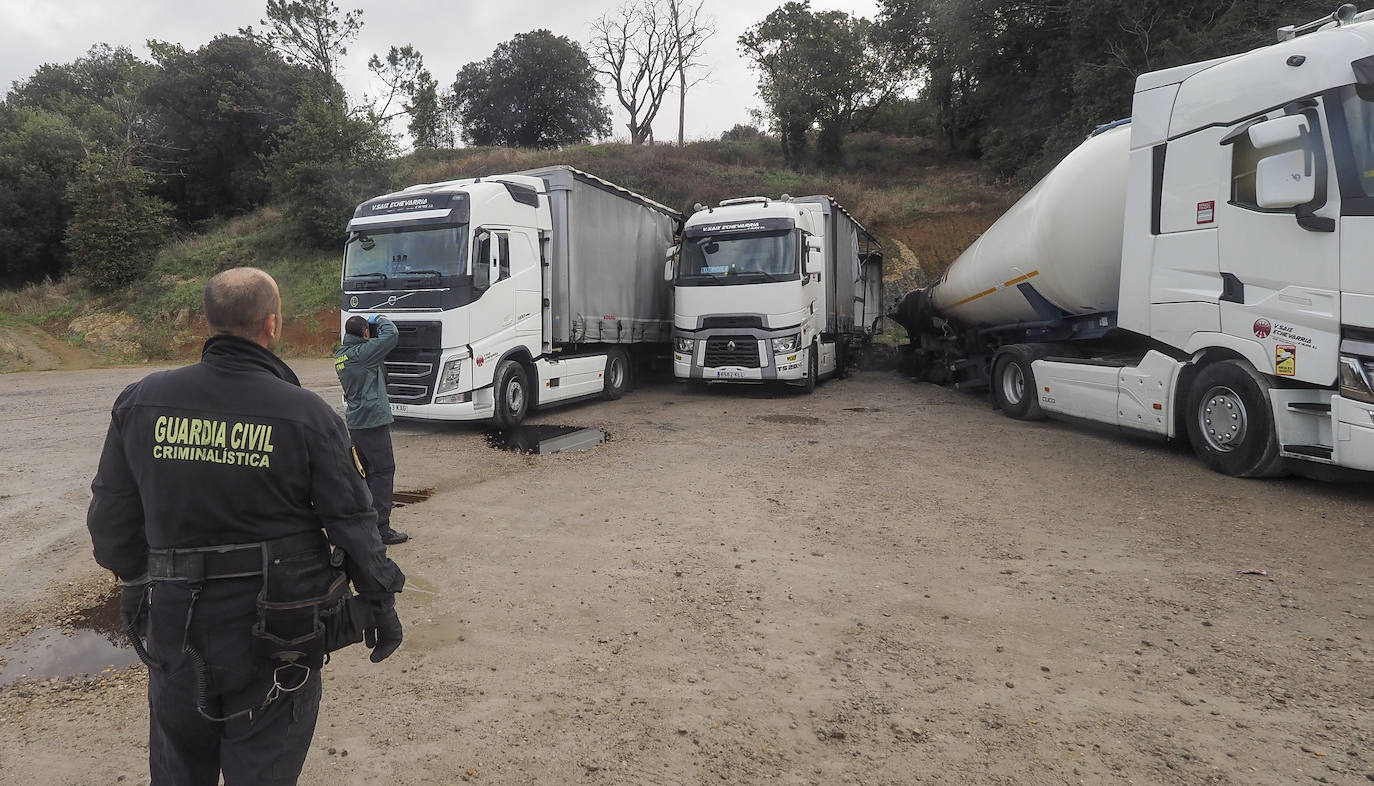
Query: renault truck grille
pixel 742 351
pixel 410 378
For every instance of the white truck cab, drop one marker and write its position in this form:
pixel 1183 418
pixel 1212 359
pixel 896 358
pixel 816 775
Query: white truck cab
pixel 771 290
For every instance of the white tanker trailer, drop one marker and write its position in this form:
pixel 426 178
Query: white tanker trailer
pixel 1200 271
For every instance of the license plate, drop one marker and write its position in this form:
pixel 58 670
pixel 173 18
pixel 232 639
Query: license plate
pixel 729 375
pixel 400 407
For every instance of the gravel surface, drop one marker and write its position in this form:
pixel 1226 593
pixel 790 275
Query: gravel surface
pixel 881 583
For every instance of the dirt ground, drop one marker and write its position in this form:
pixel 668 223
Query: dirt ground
pixel 881 583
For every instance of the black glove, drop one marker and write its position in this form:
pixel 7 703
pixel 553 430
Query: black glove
pixel 133 595
pixel 383 632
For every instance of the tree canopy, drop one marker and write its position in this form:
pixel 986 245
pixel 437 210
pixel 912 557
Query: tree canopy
pixel 536 90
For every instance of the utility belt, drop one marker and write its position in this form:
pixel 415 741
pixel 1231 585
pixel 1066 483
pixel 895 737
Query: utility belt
pixel 305 607
pixel 234 561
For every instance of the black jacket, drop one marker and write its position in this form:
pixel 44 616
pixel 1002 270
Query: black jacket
pixel 230 450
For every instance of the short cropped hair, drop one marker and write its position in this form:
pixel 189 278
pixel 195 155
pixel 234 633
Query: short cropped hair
pixel 356 326
pixel 237 301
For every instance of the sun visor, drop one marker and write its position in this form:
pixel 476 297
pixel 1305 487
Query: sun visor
pixel 1364 70
pixel 400 210
pixel 737 227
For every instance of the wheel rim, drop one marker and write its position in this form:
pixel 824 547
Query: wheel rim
pixel 617 373
pixel 515 395
pixel 1013 384
pixel 1222 419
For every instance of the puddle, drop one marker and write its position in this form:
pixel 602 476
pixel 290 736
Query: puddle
pixel 863 409
pixel 800 420
pixel 92 643
pixel 547 439
pixel 399 499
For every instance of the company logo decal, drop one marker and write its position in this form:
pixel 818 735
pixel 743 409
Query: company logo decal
pixel 353 302
pixel 1262 328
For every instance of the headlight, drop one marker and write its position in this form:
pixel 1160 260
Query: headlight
pixel 683 346
pixel 449 376
pixel 786 344
pixel 1356 374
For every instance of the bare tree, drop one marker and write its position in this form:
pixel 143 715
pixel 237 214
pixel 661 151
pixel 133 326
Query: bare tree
pixel 691 31
pixel 633 47
pixel 310 32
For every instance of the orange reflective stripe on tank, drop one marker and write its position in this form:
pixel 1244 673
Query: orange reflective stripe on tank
pixel 994 289
pixel 975 297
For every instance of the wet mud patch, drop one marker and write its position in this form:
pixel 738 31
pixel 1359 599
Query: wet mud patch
pixel 399 499
pixel 796 420
pixel 90 642
pixel 863 409
pixel 542 440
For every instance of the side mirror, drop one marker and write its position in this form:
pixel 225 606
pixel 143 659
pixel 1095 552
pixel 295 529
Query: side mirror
pixel 668 263
pixel 815 258
pixel 1280 131
pixel 1285 180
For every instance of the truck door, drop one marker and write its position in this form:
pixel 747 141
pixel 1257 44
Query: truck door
pixel 1278 246
pixel 493 314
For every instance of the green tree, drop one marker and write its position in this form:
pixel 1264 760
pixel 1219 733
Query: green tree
pixel 40 153
pixel 1020 82
pixel 327 161
pixel 826 69
pixel 536 90
pixel 117 226
pixel 430 125
pixel 219 109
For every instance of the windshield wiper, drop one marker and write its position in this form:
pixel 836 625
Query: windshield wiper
pixel 379 277
pixel 436 273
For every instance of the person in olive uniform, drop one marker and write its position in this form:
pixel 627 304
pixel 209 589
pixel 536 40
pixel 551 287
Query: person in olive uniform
pixel 361 363
pixel 217 487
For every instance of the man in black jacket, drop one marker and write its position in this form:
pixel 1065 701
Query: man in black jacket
pixel 217 487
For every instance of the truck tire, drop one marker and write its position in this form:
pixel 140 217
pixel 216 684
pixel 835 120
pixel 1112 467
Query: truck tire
pixel 1013 386
pixel 1230 421
pixel 617 375
pixel 512 394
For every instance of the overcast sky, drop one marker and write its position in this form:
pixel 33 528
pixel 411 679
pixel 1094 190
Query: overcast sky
pixel 448 34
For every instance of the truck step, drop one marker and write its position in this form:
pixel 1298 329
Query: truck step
pixel 1308 451
pixel 1310 407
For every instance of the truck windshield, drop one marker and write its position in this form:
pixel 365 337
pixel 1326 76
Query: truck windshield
pixel 405 258
pixel 1359 119
pixel 739 259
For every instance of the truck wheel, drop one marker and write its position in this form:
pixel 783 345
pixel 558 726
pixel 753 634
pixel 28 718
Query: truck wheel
pixel 1013 387
pixel 813 365
pixel 1230 424
pixel 512 394
pixel 617 375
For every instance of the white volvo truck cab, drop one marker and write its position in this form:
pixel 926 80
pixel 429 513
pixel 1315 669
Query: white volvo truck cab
pixel 510 292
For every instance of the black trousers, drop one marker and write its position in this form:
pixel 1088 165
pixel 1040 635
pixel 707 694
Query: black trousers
pixel 267 746
pixel 374 450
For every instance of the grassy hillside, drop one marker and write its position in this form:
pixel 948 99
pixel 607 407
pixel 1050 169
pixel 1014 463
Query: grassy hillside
pixel 923 209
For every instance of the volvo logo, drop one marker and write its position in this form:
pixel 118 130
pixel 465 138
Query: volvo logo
pixel 730 345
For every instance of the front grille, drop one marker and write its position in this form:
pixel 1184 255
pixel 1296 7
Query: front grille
pixel 744 353
pixel 410 376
